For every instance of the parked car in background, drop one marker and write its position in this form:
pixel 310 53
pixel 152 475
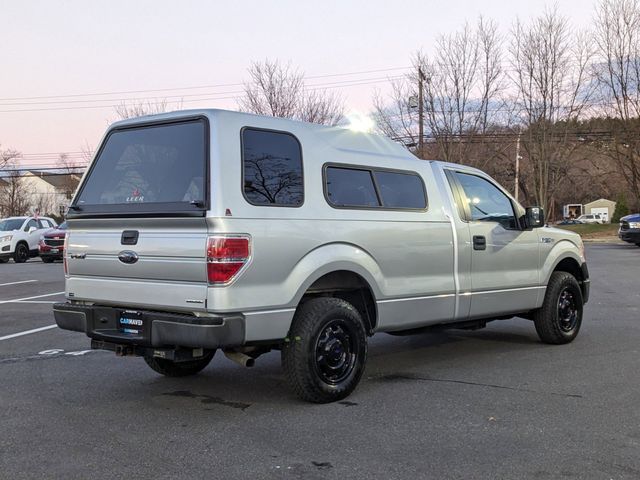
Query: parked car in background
pixel 630 229
pixel 19 237
pixel 51 246
pixel 590 218
pixel 570 221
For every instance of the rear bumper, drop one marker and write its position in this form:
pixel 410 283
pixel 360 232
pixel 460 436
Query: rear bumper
pixel 159 329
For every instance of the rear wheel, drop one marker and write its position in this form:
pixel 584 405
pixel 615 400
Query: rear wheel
pixel 560 318
pixel 21 254
pixel 326 350
pixel 47 259
pixel 170 368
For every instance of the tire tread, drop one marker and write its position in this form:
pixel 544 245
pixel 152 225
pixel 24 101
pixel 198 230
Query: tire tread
pixel 295 356
pixel 545 317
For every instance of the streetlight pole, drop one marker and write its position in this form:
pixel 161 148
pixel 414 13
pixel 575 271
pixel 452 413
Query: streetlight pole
pixel 421 79
pixel 517 180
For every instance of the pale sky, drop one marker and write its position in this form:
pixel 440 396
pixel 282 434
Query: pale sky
pixel 75 47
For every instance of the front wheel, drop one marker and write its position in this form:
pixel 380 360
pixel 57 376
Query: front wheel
pixel 169 368
pixel 558 320
pixel 326 350
pixel 21 254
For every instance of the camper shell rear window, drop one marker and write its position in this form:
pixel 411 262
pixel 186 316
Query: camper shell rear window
pixel 158 168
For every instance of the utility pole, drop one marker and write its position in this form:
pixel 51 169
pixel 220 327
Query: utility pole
pixel 421 79
pixel 517 180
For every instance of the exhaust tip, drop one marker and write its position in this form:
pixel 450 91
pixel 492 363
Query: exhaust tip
pixel 241 359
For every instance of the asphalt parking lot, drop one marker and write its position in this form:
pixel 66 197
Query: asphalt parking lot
pixel 494 403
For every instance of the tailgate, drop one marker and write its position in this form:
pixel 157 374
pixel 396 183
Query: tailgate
pixel 165 267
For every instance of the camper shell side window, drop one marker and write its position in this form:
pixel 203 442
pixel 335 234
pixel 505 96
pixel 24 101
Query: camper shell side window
pixel 272 172
pixel 358 187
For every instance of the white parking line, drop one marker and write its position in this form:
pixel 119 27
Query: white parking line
pixel 17 283
pixel 49 302
pixel 28 332
pixel 17 300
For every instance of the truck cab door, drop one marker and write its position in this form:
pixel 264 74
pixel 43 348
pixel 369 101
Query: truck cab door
pixel 504 257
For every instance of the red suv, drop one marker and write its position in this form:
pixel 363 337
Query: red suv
pixel 51 245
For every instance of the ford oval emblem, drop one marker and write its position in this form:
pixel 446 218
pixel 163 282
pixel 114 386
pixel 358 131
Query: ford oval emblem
pixel 128 257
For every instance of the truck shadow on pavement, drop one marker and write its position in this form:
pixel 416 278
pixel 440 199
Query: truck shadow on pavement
pixel 391 359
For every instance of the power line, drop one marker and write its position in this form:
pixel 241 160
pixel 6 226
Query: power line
pixel 124 92
pixel 111 105
pixel 179 97
pixel 76 170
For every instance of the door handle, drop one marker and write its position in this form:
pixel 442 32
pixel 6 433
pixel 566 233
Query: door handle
pixel 129 237
pixel 479 242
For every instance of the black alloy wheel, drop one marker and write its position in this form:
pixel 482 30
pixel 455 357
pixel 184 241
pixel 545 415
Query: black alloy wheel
pixel 21 254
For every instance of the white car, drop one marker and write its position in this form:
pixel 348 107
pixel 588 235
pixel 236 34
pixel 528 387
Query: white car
pixel 591 218
pixel 19 237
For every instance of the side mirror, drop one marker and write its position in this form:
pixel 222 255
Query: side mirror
pixel 32 229
pixel 534 217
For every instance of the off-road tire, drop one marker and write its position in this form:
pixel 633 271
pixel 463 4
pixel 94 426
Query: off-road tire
pixel 169 368
pixel 21 254
pixel 552 326
pixel 325 352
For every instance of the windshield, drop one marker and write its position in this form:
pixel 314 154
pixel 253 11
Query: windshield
pixel 142 167
pixel 11 224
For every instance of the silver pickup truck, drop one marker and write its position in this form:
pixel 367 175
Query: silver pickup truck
pixel 202 230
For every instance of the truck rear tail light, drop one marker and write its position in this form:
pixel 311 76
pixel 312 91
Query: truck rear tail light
pixel 226 256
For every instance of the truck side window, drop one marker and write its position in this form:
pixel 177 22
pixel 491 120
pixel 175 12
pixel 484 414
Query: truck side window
pixel 272 168
pixel 486 201
pixel 401 190
pixel 350 187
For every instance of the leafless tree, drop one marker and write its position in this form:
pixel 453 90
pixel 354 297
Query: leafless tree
pixel 8 157
pixel 270 179
pixel 617 70
pixel 462 95
pixel 87 153
pixel 395 115
pixel 279 90
pixel 15 194
pixel 71 174
pixel 150 107
pixel 550 64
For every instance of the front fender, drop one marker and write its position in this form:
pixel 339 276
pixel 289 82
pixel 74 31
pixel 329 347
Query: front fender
pixel 561 250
